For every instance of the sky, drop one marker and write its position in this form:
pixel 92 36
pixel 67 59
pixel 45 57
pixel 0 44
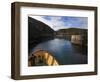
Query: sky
pixel 63 22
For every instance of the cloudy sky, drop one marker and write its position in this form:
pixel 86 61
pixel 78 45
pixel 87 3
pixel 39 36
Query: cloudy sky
pixel 60 22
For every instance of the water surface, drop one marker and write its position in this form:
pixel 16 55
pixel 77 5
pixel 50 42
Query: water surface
pixel 63 51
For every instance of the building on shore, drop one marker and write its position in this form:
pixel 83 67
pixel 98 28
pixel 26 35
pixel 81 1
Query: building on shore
pixel 75 35
pixel 76 39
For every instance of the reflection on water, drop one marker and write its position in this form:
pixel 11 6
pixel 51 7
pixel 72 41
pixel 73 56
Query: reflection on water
pixel 63 50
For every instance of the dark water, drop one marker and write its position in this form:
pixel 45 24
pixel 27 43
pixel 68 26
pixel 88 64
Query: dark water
pixel 63 51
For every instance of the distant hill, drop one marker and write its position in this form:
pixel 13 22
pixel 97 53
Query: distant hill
pixel 72 31
pixel 38 32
